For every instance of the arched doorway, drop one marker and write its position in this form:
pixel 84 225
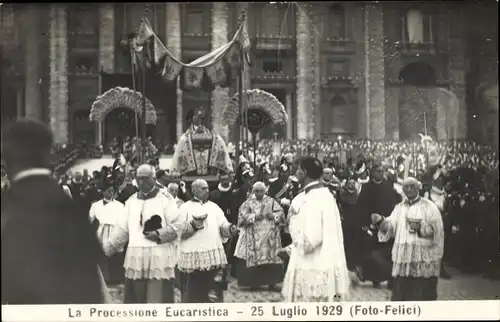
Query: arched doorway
pixel 8 103
pixel 114 111
pixel 417 111
pixel 8 93
pixel 119 124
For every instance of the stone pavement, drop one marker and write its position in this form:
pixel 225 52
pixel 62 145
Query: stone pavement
pixel 459 287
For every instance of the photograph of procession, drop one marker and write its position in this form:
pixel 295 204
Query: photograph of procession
pixel 214 152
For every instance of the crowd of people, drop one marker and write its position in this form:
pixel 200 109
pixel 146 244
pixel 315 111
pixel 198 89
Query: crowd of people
pixel 390 212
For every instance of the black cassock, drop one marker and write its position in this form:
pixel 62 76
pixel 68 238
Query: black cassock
pixel 277 191
pixel 126 192
pixel 224 200
pixel 49 248
pixel 350 225
pixel 379 198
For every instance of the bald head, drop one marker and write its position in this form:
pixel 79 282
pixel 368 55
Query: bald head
pixel 146 178
pixel 410 181
pixel 146 170
pixel 259 185
pixel 411 188
pixel 173 188
pixel 199 187
pixel 259 189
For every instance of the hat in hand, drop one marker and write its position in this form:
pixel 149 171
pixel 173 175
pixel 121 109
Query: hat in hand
pixel 96 223
pixel 152 223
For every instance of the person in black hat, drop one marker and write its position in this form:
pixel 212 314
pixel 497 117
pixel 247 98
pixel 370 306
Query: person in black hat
pixel 49 250
pixel 265 173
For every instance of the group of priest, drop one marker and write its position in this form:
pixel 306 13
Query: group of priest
pixel 305 232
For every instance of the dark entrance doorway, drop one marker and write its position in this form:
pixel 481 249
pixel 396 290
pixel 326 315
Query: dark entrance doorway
pixel 268 131
pixel 416 111
pixel 8 93
pixel 119 124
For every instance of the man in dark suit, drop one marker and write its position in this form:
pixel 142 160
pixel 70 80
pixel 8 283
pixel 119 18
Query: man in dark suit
pixel 49 249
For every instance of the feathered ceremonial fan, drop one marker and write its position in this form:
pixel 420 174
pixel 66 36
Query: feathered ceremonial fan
pixel 121 97
pixel 262 108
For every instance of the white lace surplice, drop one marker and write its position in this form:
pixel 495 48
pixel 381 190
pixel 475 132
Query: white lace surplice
pixel 108 214
pixel 146 259
pixel 204 250
pixel 413 255
pixel 317 270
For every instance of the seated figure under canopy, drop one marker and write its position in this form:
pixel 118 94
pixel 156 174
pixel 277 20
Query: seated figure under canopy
pixel 200 151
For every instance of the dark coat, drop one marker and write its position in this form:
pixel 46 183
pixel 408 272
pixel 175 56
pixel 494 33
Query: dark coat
pixel 223 199
pixel 376 198
pixel 276 186
pixel 49 249
pixel 128 191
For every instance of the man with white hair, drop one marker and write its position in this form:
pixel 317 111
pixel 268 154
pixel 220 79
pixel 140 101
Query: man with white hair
pixel 152 227
pixel 259 242
pixel 173 189
pixel 202 255
pixel 417 227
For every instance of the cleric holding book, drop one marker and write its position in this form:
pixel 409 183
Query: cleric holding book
pixel 417 227
pixel 151 226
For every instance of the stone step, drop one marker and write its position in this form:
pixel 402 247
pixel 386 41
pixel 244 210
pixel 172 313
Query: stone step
pixel 107 160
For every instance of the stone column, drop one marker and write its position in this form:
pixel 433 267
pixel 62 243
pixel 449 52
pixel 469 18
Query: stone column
pixel 457 67
pixel 358 68
pixel 220 96
pixel 304 77
pixel 58 96
pixel 289 124
pixel 107 37
pixel 314 130
pixel 32 92
pixel 374 71
pixel 173 42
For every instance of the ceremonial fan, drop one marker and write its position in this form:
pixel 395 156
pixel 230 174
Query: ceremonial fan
pixel 260 108
pixel 121 97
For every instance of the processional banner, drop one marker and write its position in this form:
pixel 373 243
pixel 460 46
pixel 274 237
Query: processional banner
pixel 206 72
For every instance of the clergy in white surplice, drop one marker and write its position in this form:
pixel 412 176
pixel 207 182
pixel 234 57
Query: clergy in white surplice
pixel 105 214
pixel 152 227
pixel 202 256
pixel 417 228
pixel 317 271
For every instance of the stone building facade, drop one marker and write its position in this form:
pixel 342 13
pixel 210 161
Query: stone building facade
pixel 360 69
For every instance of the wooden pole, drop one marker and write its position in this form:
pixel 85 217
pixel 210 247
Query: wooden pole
pixel 134 87
pixel 254 139
pixel 241 133
pixel 143 150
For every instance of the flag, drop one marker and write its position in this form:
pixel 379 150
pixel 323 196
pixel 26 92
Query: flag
pixel 192 77
pixel 145 33
pixel 171 68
